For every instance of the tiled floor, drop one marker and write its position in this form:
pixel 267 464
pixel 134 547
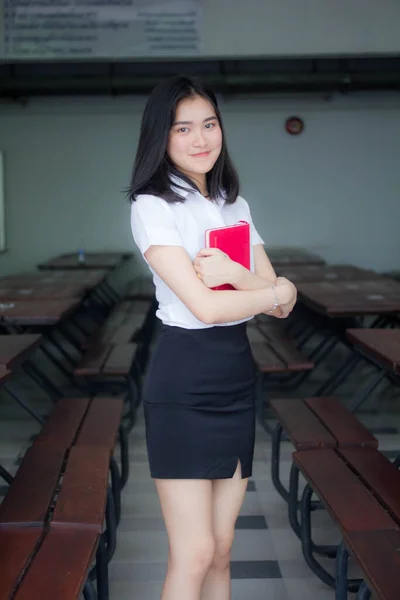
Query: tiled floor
pixel 267 563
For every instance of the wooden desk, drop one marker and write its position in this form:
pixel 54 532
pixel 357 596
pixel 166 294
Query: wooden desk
pixel 42 292
pixel 344 298
pixel 93 260
pixel 15 348
pixel 89 279
pixel 381 345
pixel 44 312
pixel 316 273
pixel 284 256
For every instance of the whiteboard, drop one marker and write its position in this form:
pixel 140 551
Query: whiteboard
pixel 92 29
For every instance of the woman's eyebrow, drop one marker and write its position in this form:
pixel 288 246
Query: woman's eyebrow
pixel 191 122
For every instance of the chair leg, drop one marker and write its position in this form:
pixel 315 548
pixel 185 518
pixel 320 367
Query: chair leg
pixel 306 541
pixel 293 501
pixel 124 448
pixel 116 488
pixel 4 474
pixel 341 573
pixel 364 593
pixel 111 526
pixel 275 462
pixel 89 593
pixel 103 592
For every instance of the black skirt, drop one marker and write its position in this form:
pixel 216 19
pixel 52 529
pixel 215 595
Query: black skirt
pixel 199 403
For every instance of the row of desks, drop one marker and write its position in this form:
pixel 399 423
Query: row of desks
pixel 49 295
pixel 344 290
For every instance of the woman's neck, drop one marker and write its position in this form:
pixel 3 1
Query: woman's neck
pixel 200 181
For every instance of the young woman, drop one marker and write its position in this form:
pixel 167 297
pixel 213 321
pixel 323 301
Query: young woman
pixel 199 393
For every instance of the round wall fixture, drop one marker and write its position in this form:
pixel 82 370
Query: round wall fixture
pixel 294 125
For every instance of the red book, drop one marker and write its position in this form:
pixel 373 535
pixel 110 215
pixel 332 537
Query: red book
pixel 234 240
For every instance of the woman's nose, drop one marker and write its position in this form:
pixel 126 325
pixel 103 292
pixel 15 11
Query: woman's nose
pixel 199 140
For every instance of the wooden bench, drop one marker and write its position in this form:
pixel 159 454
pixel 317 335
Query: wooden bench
pixel 274 354
pixel 34 563
pixel 67 491
pixel 359 489
pixel 274 351
pixel 83 502
pixel 31 493
pixel 126 323
pixel 115 369
pixel 381 568
pixel 312 423
pixel 90 422
pixel 141 288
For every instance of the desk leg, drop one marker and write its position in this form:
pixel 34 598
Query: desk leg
pixel 23 404
pixel 4 474
pixel 363 592
pixel 42 380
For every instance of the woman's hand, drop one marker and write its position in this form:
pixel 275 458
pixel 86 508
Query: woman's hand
pixel 214 267
pixel 286 307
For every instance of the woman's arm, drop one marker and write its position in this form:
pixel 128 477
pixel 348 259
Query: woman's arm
pixel 173 265
pixel 264 275
pixel 216 268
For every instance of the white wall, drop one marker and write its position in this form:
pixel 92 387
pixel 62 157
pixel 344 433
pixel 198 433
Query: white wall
pixel 300 27
pixel 335 189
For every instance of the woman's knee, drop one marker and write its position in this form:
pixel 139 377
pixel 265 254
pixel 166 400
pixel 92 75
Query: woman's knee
pixel 222 553
pixel 196 559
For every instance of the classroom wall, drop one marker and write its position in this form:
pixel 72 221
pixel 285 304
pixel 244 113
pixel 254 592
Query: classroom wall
pixel 231 28
pixel 334 189
pixel 306 27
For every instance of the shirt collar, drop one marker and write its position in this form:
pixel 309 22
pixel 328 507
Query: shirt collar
pixel 177 181
pixel 187 188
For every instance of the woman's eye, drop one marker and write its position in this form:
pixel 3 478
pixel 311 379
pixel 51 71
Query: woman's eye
pixel 183 130
pixel 210 125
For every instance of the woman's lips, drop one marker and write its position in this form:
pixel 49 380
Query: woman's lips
pixel 201 154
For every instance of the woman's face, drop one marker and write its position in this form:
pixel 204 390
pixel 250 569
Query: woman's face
pixel 195 138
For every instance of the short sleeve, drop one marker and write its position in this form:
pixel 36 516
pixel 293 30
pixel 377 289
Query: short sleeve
pixel 153 223
pixel 254 235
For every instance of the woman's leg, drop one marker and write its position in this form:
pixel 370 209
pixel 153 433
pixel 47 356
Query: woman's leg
pixel 186 505
pixel 228 496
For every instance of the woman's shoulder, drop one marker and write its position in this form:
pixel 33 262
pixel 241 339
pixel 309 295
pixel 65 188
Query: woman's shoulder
pixel 241 204
pixel 149 202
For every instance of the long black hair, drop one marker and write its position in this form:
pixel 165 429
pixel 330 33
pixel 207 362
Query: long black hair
pixel 153 168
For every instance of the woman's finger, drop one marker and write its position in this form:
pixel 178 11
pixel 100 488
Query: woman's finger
pixel 207 252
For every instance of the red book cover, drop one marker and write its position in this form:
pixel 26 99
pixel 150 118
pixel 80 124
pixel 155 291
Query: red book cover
pixel 234 240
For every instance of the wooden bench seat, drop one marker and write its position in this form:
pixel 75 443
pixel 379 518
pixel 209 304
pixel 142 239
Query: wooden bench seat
pixel 107 360
pixel 29 497
pixel 90 422
pixel 82 498
pixel 275 352
pixel 126 323
pixel 351 505
pixel 60 567
pixel 62 425
pixel 359 489
pixel 18 545
pixel 378 554
pixel 101 424
pixel 313 423
pixel 68 490
pixel 85 501
pixel 378 474
pixel 321 423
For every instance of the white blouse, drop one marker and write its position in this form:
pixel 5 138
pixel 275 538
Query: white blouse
pixel 157 222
